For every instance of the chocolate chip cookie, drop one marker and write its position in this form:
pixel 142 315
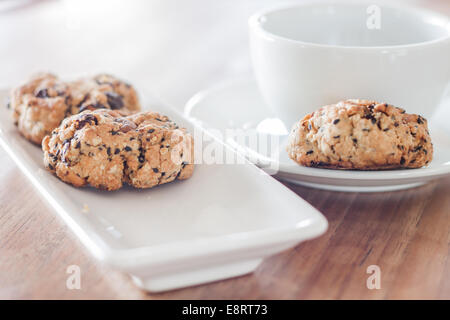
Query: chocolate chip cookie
pixel 102 92
pixel 362 135
pixel 105 149
pixel 44 101
pixel 39 105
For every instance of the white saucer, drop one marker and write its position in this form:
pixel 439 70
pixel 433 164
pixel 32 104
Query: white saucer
pixel 237 104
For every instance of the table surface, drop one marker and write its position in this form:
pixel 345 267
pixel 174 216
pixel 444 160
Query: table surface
pixel 173 49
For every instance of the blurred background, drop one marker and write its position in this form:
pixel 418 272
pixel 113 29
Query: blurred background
pixel 169 48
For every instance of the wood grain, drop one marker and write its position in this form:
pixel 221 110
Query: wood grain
pixel 177 48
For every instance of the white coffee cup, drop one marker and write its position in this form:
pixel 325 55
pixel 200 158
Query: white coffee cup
pixel 307 56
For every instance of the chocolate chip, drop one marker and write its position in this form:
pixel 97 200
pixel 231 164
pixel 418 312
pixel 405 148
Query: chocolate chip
pixel 370 117
pixel 114 132
pixel 127 148
pixel 85 119
pixel 78 145
pixel 141 158
pixel 116 151
pixel 115 101
pixel 366 129
pixel 108 151
pixel 163 174
pixel 65 150
pixel 151 130
pixel 43 93
pixel 318 164
pixel 155 170
pixel 336 121
pixel 355 140
pixel 309 152
pixel 99 106
pixel 402 160
pixel 396 124
pixel 425 151
pixel 50 166
pixel 336 137
pixel 419 120
pixel 385 129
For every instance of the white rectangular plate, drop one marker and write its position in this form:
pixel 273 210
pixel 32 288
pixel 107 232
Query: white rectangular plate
pixel 220 223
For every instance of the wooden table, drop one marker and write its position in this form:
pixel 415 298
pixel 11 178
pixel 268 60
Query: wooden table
pixel 174 49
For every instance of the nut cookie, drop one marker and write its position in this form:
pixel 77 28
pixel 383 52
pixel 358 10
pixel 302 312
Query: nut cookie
pixel 39 105
pixel 361 134
pixel 44 101
pixel 102 92
pixel 105 149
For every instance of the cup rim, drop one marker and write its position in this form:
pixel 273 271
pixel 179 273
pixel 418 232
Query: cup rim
pixel 256 26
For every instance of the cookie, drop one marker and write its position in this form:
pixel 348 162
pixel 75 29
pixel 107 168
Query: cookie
pixel 39 105
pixel 105 149
pixel 102 92
pixel 362 135
pixel 44 101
